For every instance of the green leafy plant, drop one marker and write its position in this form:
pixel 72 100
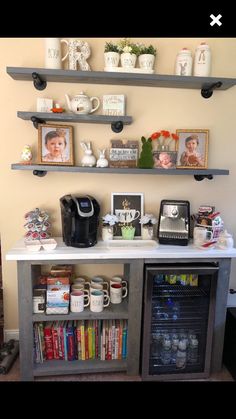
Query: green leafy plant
pixel 148 50
pixel 110 47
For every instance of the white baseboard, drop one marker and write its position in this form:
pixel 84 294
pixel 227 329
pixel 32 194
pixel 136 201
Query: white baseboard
pixel 11 334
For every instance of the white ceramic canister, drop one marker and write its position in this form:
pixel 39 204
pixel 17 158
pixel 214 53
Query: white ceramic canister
pixel 184 63
pixel 202 60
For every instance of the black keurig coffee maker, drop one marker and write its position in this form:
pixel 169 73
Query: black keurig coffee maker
pixel 79 215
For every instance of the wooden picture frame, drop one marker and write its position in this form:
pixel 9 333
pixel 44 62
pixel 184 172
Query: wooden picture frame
pixel 120 201
pixel 192 148
pixel 55 145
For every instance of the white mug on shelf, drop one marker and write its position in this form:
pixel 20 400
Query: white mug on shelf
pixel 98 300
pixel 79 300
pixel 52 53
pixel 117 294
pixel 81 281
pixel 99 280
pixel 119 280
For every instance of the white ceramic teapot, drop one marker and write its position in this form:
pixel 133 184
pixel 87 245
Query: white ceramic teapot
pixel 225 240
pixel 82 104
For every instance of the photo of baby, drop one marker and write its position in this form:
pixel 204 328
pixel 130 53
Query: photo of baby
pixel 164 159
pixel 192 149
pixel 55 144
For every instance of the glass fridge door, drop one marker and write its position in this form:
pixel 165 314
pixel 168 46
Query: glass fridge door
pixel 178 319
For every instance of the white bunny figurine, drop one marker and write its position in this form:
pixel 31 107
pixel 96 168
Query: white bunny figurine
pixel 88 159
pixel 102 161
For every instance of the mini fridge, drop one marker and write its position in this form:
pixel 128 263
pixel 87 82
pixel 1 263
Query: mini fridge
pixel 178 320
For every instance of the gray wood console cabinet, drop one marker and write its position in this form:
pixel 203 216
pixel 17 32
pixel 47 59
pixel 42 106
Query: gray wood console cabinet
pixel 131 309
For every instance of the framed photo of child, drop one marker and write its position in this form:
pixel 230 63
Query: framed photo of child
pixel 55 144
pixel 192 148
pixel 164 159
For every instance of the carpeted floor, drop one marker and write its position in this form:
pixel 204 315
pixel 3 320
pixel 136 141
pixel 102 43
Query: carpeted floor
pixel 14 375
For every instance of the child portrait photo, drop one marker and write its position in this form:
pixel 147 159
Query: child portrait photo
pixel 164 159
pixel 192 148
pixel 55 144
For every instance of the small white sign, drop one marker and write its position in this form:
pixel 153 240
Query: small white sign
pixel 123 154
pixel 113 104
pixel 44 105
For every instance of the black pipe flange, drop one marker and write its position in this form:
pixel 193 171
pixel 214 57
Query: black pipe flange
pixel 39 84
pixel 117 126
pixel 39 173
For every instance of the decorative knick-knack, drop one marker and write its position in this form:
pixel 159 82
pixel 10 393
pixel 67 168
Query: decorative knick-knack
pixel 202 61
pixel 26 155
pixel 184 62
pixel 102 161
pixel 88 159
pixel 146 157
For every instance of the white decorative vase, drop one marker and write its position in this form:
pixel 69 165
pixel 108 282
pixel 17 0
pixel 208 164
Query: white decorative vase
pixel 146 61
pixel 111 59
pixel 107 233
pixel 128 60
pixel 147 233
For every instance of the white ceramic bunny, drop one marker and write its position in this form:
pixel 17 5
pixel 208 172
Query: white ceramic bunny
pixel 88 159
pixel 102 161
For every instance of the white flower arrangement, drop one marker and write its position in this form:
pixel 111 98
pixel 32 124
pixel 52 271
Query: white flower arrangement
pixel 109 219
pixel 148 220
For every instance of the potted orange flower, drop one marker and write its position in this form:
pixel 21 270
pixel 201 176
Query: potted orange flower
pixel 163 139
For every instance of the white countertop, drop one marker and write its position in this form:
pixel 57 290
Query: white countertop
pixel 102 251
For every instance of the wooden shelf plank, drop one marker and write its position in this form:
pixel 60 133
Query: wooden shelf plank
pixel 109 170
pixel 129 79
pixel 70 117
pixel 61 367
pixel 114 311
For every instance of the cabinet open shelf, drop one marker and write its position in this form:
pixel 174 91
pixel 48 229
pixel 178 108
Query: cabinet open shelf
pixel 41 170
pixel 40 77
pixel 55 367
pixel 114 311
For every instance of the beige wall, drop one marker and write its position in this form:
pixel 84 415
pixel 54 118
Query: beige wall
pixel 151 108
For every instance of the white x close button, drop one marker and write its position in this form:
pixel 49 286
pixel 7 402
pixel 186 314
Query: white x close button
pixel 215 20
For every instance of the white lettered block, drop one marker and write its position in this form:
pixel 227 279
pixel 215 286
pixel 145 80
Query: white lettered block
pixel 113 105
pixel 44 105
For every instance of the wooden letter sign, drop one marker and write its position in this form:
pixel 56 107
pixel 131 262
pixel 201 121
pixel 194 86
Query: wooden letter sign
pixel 123 155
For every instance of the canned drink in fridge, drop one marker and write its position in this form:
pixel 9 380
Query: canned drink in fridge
pixel 193 280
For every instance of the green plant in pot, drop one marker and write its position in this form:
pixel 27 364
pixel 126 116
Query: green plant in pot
pixel 128 231
pixel 111 55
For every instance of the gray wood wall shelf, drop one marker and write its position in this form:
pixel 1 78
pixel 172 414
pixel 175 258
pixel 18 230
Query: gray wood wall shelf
pixel 37 117
pixel 40 77
pixel 41 170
